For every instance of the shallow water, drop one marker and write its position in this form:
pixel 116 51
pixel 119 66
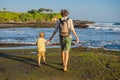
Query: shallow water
pixel 104 35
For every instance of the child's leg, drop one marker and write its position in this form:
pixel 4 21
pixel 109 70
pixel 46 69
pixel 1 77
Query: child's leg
pixel 39 58
pixel 43 56
pixel 44 59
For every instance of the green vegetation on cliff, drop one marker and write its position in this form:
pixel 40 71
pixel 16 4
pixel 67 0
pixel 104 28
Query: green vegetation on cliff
pixel 30 16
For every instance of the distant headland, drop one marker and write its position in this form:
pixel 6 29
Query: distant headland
pixel 43 18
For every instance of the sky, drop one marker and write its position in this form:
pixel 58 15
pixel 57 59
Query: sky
pixel 93 10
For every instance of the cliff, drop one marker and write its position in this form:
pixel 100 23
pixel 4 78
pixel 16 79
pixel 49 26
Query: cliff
pixel 77 24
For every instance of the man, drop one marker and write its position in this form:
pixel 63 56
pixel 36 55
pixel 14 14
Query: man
pixel 65 39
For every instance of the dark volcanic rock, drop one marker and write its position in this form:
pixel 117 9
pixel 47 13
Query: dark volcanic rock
pixel 41 25
pixel 77 24
pixel 81 24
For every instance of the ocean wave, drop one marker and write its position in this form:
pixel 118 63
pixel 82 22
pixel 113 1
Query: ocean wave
pixel 116 24
pixel 104 26
pixel 94 36
pixel 110 45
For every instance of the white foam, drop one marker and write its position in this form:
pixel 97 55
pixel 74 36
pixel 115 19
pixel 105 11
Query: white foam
pixel 105 26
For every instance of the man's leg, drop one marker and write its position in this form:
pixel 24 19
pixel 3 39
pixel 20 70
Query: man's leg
pixel 63 57
pixel 66 60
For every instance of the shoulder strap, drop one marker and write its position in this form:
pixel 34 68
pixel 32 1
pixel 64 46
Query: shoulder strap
pixel 60 20
pixel 68 27
pixel 67 19
pixel 63 20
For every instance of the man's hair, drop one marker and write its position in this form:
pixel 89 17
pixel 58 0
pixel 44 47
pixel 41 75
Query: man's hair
pixel 41 34
pixel 64 12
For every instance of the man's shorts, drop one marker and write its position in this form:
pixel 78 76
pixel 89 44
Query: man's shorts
pixel 41 53
pixel 65 43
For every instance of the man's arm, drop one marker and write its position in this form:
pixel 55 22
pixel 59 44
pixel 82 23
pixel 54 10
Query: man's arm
pixel 77 39
pixel 73 31
pixel 55 31
pixel 52 36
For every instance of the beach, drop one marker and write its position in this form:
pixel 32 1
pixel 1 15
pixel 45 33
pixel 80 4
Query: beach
pixel 84 64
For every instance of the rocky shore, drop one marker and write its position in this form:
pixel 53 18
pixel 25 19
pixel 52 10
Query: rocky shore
pixel 15 44
pixel 77 24
pixel 82 24
pixel 84 64
pixel 26 24
pixel 23 44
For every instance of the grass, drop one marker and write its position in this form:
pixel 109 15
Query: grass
pixel 84 64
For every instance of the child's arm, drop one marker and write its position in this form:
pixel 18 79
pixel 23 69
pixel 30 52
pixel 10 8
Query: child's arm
pixel 36 43
pixel 46 43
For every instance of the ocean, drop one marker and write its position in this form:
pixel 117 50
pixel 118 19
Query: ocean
pixel 98 35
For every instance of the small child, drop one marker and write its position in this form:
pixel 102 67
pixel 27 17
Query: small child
pixel 41 42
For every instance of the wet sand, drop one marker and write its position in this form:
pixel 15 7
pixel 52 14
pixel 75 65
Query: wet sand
pixel 84 64
pixel 23 44
pixel 14 44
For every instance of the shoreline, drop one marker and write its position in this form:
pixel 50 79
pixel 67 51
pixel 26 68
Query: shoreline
pixel 25 24
pixel 77 24
pixel 12 46
pixel 2 45
pixel 24 44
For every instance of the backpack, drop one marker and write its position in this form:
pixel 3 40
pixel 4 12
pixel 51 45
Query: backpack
pixel 63 28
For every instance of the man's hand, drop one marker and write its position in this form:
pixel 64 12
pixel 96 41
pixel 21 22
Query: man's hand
pixel 77 41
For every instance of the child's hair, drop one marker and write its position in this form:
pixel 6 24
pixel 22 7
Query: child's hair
pixel 41 34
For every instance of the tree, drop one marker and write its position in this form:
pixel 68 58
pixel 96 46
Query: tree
pixel 44 10
pixel 41 10
pixel 48 10
pixel 4 9
pixel 33 11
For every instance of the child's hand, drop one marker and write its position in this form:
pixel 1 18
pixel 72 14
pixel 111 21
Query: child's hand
pixel 48 42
